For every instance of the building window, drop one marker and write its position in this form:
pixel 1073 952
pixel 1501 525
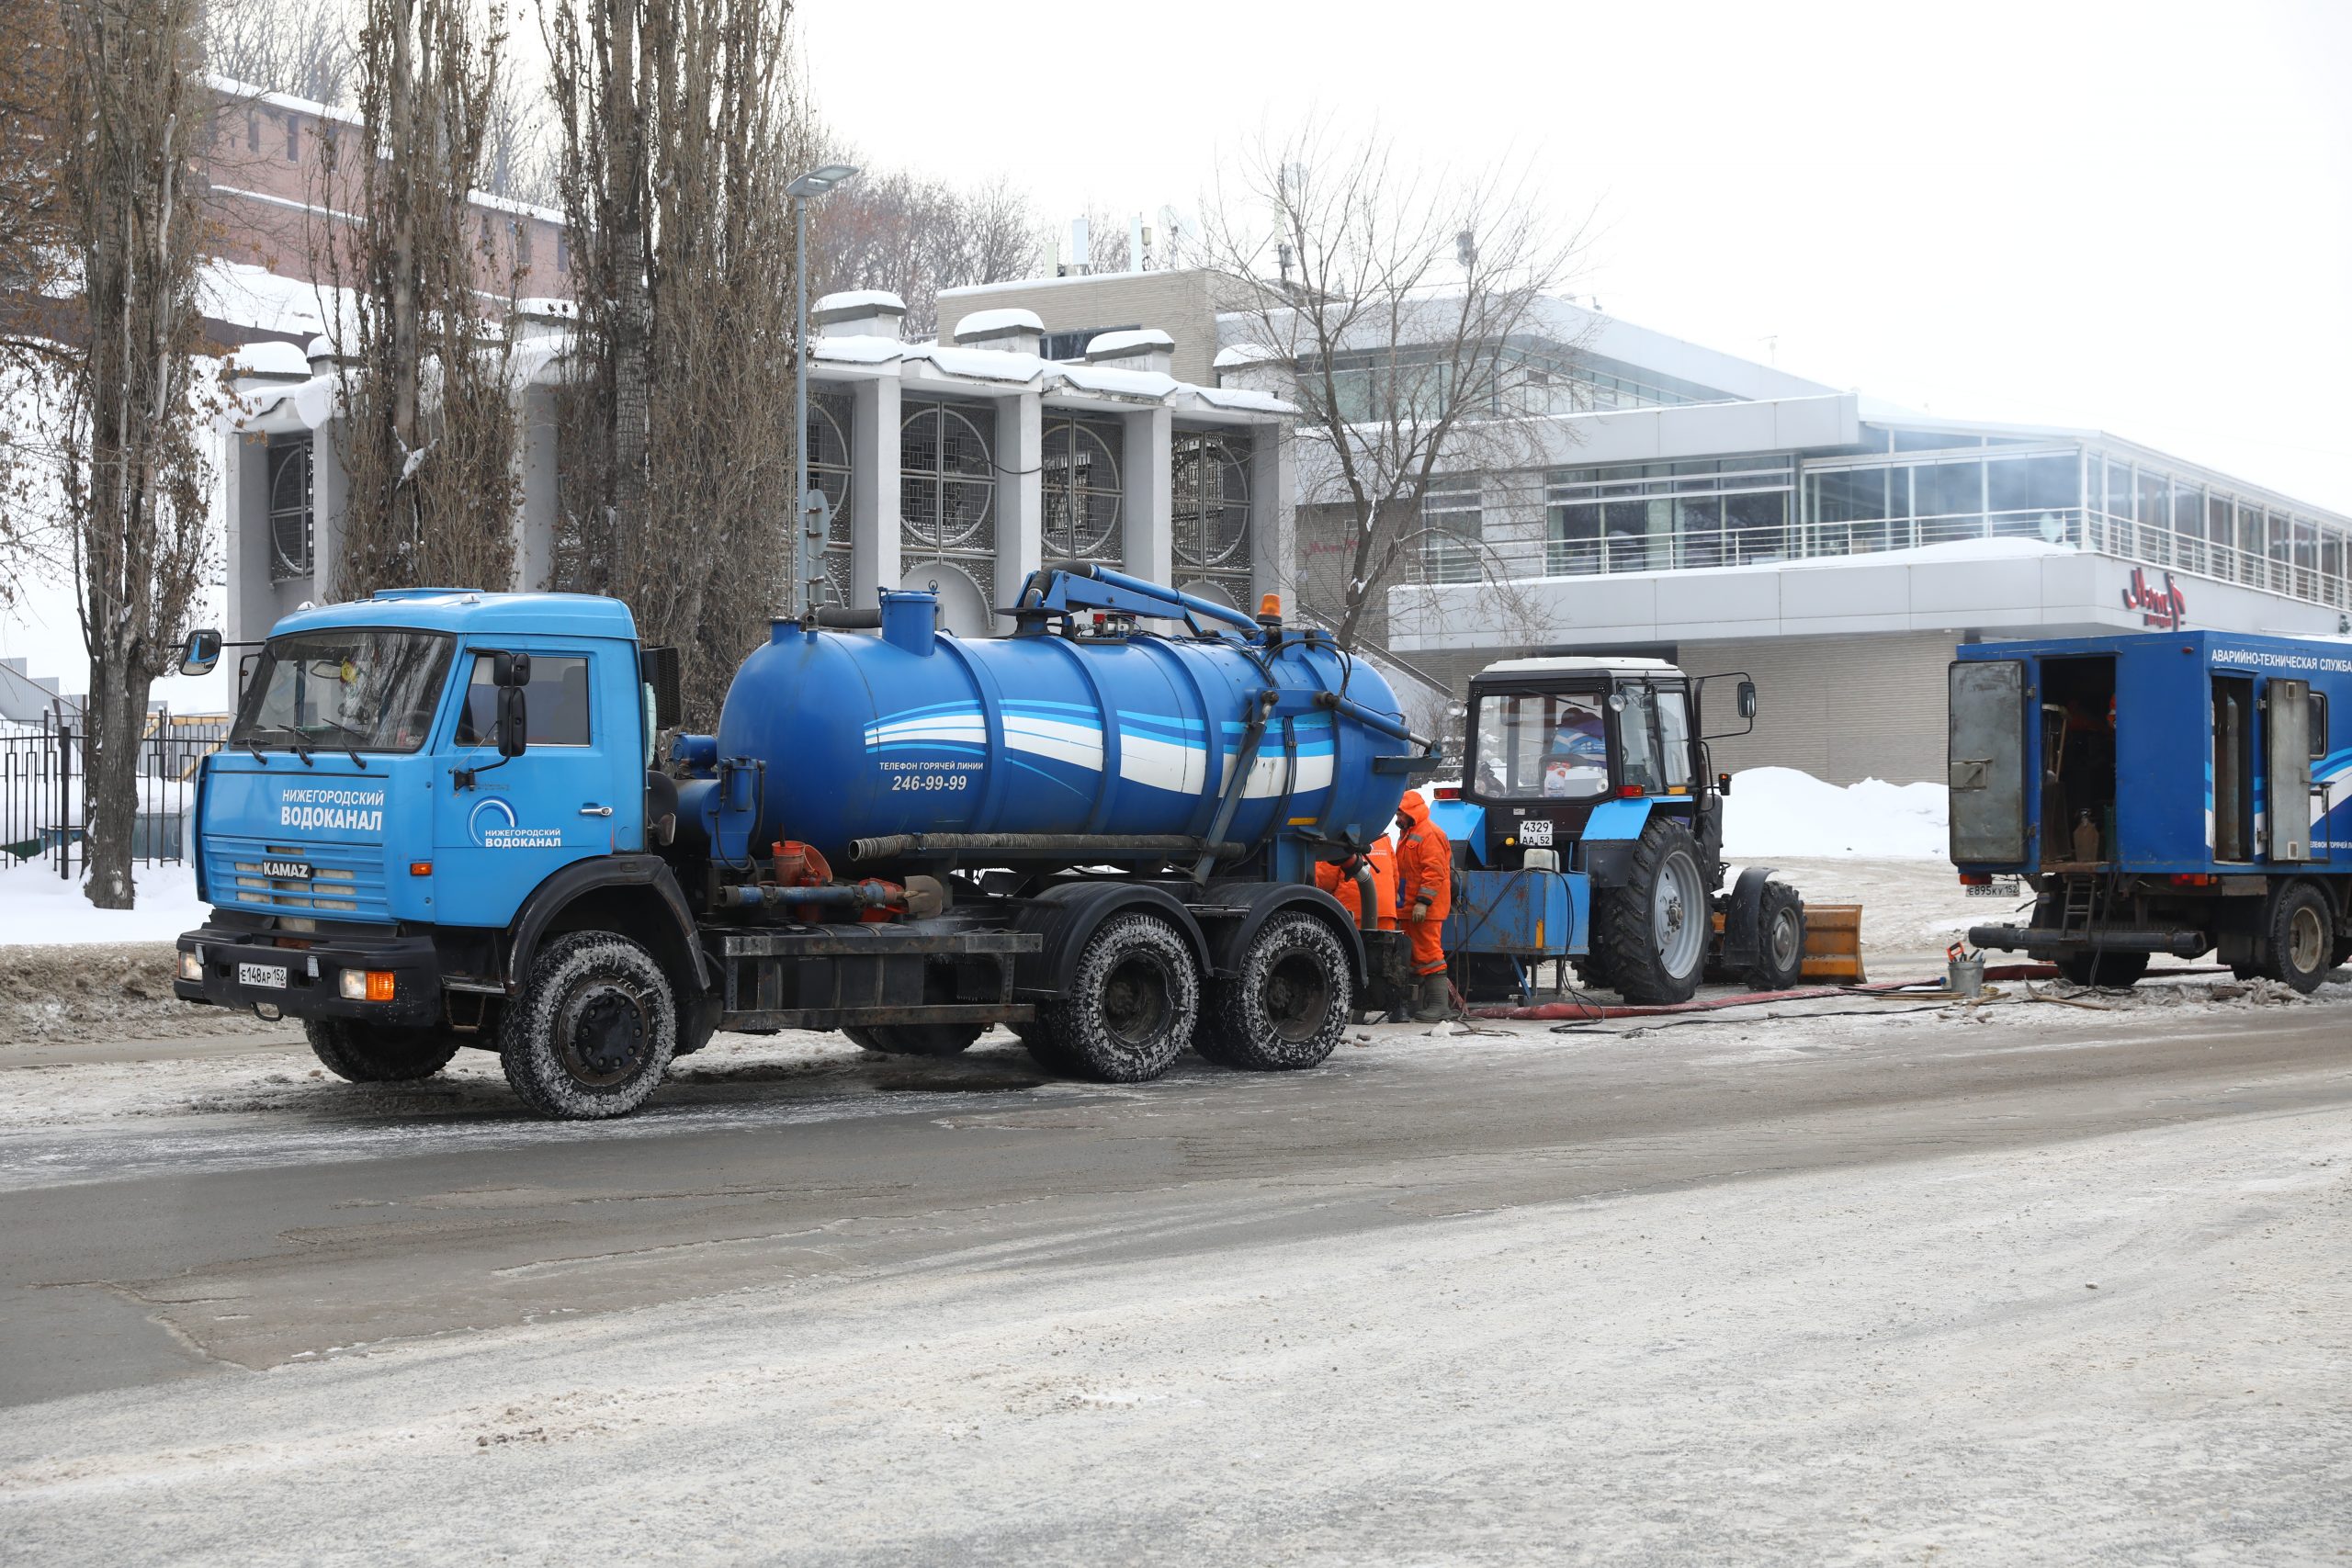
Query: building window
pixel 1451 531
pixel 1081 491
pixel 1649 516
pixel 289 508
pixel 828 473
pixel 1072 345
pixel 522 233
pixel 1209 486
pixel 252 130
pixel 293 138
pixel 946 484
pixel 484 240
pixel 563 252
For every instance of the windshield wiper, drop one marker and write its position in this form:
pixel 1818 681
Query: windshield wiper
pixel 256 751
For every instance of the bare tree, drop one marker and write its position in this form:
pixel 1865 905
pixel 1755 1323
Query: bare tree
pixel 680 131
pixel 428 430
pixel 517 161
pixel 134 481
pixel 301 47
pixel 916 236
pixel 35 255
pixel 1401 300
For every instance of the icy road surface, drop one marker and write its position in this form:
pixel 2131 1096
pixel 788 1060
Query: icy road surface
pixel 2047 1283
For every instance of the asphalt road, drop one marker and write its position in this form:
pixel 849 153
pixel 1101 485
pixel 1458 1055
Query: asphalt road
pixel 148 1249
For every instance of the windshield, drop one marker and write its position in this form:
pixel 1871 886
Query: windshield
pixel 367 689
pixel 1541 746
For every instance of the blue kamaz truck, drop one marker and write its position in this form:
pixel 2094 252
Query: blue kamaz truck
pixel 2163 791
pixel 440 822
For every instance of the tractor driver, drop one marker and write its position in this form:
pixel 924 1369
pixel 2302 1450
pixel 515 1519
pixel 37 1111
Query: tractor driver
pixel 1578 761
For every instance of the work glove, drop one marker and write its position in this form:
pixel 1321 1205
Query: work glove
pixel 1420 909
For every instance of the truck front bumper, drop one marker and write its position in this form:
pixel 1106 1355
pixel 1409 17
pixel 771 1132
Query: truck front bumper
pixel 2046 942
pixel 239 964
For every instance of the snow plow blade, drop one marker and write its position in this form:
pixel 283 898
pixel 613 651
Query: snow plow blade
pixel 1833 943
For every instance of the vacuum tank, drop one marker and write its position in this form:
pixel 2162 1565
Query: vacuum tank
pixel 830 737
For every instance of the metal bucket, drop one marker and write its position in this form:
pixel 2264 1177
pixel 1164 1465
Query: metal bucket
pixel 1967 976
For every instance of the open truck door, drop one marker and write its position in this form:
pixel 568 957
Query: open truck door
pixel 2287 714
pixel 1986 762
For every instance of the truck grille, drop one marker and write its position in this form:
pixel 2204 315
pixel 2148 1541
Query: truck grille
pixel 346 880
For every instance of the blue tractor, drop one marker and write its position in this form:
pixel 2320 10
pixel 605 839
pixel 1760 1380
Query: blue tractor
pixel 1588 830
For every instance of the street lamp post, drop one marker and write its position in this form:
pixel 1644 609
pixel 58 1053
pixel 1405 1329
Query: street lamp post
pixel 817 182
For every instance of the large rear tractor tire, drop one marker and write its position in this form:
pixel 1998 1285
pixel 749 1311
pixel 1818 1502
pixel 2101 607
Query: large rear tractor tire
pixel 1287 1007
pixel 915 1039
pixel 2120 971
pixel 1131 1007
pixel 374 1053
pixel 1651 934
pixel 593 1030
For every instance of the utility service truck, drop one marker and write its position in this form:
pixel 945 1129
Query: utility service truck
pixel 440 823
pixel 2166 792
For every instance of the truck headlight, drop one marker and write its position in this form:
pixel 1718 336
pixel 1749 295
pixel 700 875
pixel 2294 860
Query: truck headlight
pixel 366 985
pixel 192 964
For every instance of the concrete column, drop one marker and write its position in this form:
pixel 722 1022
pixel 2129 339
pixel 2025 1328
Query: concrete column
pixel 874 462
pixel 1147 507
pixel 1274 513
pixel 246 555
pixel 330 497
pixel 1020 496
pixel 536 482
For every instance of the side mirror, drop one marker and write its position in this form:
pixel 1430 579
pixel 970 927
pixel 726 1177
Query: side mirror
pixel 510 671
pixel 658 668
pixel 1747 699
pixel 513 726
pixel 200 653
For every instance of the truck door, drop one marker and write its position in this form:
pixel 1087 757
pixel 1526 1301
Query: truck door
pixel 2286 718
pixel 1985 759
pixel 522 819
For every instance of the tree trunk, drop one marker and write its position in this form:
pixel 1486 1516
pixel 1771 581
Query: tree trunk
pixel 632 308
pixel 406 329
pixel 110 743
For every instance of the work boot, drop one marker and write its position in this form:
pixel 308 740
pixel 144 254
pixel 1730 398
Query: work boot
pixel 1436 1000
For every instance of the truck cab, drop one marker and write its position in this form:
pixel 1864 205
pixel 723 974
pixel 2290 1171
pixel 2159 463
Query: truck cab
pixel 1589 825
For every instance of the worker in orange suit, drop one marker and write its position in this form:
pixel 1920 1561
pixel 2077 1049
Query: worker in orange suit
pixel 1425 894
pixel 1339 879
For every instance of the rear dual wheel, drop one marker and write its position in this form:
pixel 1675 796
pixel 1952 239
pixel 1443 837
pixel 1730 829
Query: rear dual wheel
pixel 1288 1005
pixel 1131 1006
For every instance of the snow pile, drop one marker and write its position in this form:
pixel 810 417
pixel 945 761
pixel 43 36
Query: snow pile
pixel 1783 811
pixel 38 908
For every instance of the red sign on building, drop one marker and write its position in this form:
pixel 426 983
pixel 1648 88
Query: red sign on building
pixel 2163 608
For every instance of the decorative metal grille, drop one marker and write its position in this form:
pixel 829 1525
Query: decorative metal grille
pixel 1210 481
pixel 829 470
pixel 289 509
pixel 946 484
pixel 1081 491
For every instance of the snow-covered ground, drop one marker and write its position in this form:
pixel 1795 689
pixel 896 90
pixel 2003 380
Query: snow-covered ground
pixel 1781 811
pixel 38 908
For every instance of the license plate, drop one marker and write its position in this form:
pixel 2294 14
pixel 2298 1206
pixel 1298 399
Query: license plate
pixel 268 974
pixel 1536 830
pixel 289 870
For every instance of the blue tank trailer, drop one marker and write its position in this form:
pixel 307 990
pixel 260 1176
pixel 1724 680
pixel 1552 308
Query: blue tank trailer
pixel 2226 841
pixel 439 823
pixel 1588 828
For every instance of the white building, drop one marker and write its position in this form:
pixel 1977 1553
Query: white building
pixel 964 465
pixel 1677 501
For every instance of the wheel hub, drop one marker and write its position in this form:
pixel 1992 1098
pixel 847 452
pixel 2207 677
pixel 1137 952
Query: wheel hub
pixel 1297 996
pixel 1137 1000
pixel 608 1038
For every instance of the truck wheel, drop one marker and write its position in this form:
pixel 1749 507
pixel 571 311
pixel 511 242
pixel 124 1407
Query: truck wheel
pixel 1130 1007
pixel 2120 971
pixel 1039 1041
pixel 915 1039
pixel 593 1030
pixel 1289 1005
pixel 1779 940
pixel 2300 937
pixel 1652 933
pixel 374 1053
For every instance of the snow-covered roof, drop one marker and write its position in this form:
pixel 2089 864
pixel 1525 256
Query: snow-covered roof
pixel 1581 664
pixel 1236 355
pixel 269 358
pixel 862 300
pixel 1129 341
pixel 1005 320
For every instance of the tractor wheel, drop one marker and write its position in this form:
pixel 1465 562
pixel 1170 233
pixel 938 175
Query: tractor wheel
pixel 374 1053
pixel 1652 934
pixel 2120 971
pixel 1779 940
pixel 2301 937
pixel 915 1038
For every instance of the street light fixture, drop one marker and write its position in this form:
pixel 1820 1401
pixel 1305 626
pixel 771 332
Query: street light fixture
pixel 816 182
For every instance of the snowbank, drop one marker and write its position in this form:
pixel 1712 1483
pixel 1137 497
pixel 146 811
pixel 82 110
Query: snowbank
pixel 1781 811
pixel 37 908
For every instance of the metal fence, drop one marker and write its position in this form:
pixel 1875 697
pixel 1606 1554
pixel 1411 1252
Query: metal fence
pixel 44 789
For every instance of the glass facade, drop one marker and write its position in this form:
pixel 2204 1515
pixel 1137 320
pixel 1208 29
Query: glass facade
pixel 1651 516
pixel 1453 532
pixel 1537 378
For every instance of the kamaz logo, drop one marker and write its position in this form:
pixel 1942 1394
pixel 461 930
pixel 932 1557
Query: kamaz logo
pixel 287 870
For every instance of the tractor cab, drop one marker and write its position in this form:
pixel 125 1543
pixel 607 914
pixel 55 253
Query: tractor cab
pixel 1552 740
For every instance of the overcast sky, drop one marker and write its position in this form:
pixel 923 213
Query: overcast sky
pixel 2131 216
pixel 2135 217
